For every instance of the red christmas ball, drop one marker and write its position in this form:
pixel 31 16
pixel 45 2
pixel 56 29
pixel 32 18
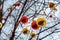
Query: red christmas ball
pixel 17 4
pixel 24 19
pixel 34 25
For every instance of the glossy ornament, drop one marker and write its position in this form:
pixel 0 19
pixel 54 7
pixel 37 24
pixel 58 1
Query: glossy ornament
pixel 34 25
pixel 10 8
pixel 17 4
pixel 25 31
pixel 24 19
pixel 52 6
pixel 0 25
pixel 41 21
pixel 33 35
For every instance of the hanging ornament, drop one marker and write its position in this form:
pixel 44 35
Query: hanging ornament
pixel 33 35
pixel 10 8
pixel 24 19
pixel 41 21
pixel 25 31
pixel 17 4
pixel 0 25
pixel 52 6
pixel 34 25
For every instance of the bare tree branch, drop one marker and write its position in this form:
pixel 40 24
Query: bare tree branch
pixel 13 33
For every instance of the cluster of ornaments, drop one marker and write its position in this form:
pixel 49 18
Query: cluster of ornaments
pixel 38 23
pixel 35 25
pixel 26 31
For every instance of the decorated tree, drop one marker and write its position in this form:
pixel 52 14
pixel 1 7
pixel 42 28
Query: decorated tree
pixel 29 20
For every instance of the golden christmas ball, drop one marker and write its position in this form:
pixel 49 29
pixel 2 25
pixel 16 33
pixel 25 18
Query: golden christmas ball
pixel 41 21
pixel 33 34
pixel 25 30
pixel 52 6
pixel 0 25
